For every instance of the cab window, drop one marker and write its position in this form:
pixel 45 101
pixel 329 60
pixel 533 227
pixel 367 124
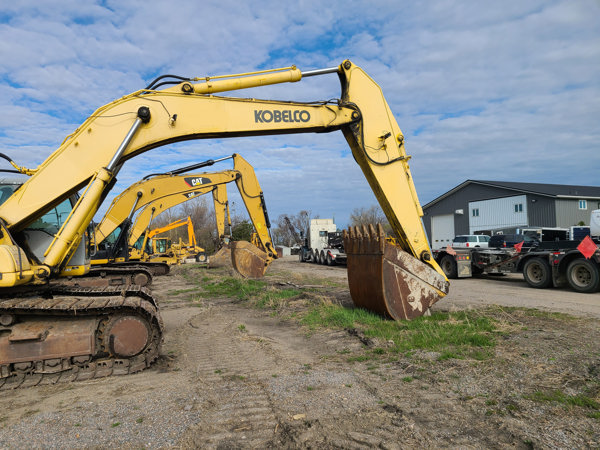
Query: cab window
pixel 53 219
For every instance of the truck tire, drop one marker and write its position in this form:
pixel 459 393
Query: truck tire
pixel 322 259
pixel 330 261
pixel 537 273
pixel 583 275
pixel 448 265
pixel 316 256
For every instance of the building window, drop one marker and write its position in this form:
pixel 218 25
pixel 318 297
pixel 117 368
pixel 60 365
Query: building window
pixel 519 207
pixel 475 212
pixel 582 204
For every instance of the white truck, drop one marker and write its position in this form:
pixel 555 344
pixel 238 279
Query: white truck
pixel 325 244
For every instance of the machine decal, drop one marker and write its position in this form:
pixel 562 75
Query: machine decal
pixel 287 115
pixel 196 181
pixel 191 194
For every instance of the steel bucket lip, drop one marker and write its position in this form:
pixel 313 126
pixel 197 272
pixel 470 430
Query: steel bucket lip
pixel 385 279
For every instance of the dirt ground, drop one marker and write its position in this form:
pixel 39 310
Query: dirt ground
pixel 232 376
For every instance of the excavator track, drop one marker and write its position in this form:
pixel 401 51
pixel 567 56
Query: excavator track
pixel 101 276
pixel 71 334
pixel 155 268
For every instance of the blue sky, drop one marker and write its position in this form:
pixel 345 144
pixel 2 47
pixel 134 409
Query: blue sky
pixel 506 91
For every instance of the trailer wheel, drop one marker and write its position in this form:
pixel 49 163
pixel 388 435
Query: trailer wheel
pixel 448 265
pixel 537 273
pixel 583 275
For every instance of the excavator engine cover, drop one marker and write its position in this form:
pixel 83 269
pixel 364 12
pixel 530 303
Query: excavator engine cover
pixel 387 280
pixel 248 259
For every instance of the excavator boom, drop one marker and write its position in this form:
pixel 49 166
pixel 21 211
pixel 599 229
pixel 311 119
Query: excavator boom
pixel 157 193
pixel 124 333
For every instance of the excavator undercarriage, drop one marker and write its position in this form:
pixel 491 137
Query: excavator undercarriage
pixel 70 333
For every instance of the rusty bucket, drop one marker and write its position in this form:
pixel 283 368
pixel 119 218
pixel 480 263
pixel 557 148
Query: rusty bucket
pixel 385 279
pixel 248 260
pixel 222 258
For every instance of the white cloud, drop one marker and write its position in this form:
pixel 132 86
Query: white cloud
pixel 468 82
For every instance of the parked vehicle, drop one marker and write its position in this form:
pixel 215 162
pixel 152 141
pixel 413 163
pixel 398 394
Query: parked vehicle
pixel 325 243
pixel 509 240
pixel 548 264
pixel 471 240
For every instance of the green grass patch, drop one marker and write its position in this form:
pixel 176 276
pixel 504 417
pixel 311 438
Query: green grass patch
pixel 232 287
pixel 560 397
pixel 467 334
pixel 259 293
pixel 182 291
pixel 274 298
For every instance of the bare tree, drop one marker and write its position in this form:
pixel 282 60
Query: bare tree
pixel 372 215
pixel 203 220
pixel 282 235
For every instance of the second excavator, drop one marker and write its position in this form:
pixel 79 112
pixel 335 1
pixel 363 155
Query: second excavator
pixel 158 192
pixel 49 331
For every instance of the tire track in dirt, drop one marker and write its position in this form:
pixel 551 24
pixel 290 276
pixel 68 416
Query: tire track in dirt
pixel 226 365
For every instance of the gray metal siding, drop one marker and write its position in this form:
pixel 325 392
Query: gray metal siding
pixel 569 214
pixel 541 211
pixel 460 200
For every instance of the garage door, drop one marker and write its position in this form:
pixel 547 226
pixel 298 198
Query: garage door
pixel 442 230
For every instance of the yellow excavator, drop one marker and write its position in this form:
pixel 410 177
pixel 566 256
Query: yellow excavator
pixel 140 246
pixel 51 331
pixel 158 192
pixel 163 249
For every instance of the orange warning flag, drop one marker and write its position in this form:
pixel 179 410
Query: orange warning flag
pixel 519 246
pixel 587 247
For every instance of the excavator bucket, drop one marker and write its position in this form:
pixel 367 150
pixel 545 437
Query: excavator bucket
pixel 248 260
pixel 385 279
pixel 221 258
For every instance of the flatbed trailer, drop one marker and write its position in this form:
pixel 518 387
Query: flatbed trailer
pixel 552 264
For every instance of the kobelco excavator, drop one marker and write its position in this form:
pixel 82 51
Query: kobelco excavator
pixel 51 331
pixel 159 192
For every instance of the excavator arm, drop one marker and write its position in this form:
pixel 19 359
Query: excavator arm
pixel 156 194
pixel 157 188
pixel 222 216
pixel 141 224
pixel 116 132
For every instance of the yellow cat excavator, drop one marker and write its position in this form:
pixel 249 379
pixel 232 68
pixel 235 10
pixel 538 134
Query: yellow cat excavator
pixel 139 244
pixel 50 331
pixel 115 235
pixel 179 252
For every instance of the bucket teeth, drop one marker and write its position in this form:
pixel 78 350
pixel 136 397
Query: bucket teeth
pixel 385 279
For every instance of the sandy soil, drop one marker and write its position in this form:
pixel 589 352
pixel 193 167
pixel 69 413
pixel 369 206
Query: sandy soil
pixel 231 376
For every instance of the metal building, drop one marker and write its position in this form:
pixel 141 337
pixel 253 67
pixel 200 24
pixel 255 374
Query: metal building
pixel 487 207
